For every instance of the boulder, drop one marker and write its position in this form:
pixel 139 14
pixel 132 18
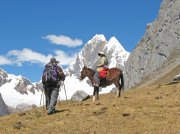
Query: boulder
pixel 177 78
pixel 79 95
pixel 24 107
pixel 114 90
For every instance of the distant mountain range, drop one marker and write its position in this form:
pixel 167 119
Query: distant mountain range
pixel 17 89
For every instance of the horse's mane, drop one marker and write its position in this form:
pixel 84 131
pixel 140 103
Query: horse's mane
pixel 90 70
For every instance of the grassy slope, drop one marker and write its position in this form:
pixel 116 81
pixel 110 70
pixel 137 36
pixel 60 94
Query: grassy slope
pixel 164 75
pixel 152 110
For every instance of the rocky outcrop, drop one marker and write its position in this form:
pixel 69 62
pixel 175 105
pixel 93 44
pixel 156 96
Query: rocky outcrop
pixel 25 107
pixel 114 90
pixel 177 78
pixel 3 77
pixel 39 86
pixel 3 107
pixel 158 49
pixel 23 85
pixel 21 108
pixel 79 96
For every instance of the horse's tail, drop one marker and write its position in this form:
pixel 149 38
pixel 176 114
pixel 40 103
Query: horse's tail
pixel 122 80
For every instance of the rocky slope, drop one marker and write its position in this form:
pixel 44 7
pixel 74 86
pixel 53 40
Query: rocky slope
pixel 158 52
pixel 3 107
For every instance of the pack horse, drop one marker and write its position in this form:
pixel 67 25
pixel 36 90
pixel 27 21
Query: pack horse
pixel 115 75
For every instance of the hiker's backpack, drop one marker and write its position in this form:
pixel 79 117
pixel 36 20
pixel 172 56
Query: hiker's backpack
pixel 50 75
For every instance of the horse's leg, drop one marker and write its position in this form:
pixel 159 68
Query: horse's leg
pixel 95 93
pixel 118 85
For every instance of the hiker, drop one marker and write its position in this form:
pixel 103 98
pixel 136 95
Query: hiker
pixel 51 79
pixel 102 63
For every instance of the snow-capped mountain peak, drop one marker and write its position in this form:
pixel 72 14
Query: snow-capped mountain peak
pixel 17 89
pixel 88 56
pixel 113 42
pixel 116 53
pixel 97 39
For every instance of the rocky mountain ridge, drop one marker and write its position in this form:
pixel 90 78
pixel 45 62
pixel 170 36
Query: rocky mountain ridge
pixel 3 107
pixel 159 48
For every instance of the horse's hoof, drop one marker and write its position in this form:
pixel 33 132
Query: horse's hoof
pixel 94 99
pixel 117 96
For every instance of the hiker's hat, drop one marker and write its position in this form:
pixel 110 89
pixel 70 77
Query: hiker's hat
pixel 101 53
pixel 53 60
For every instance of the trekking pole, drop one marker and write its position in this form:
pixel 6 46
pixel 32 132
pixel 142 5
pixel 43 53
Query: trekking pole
pixel 65 91
pixel 59 95
pixel 43 100
pixel 41 97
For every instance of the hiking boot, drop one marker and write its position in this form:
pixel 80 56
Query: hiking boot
pixel 52 112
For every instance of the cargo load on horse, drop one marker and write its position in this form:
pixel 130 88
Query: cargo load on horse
pixel 103 73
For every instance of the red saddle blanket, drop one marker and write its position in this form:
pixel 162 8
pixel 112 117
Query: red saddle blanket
pixel 103 73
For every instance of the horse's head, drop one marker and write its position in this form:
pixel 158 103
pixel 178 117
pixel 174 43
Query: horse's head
pixel 83 73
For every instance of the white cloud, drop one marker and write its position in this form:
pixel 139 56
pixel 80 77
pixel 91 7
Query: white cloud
pixel 64 58
pixel 64 40
pixel 5 61
pixel 19 57
pixel 27 55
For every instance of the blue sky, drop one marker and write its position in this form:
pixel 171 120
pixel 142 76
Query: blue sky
pixel 32 31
